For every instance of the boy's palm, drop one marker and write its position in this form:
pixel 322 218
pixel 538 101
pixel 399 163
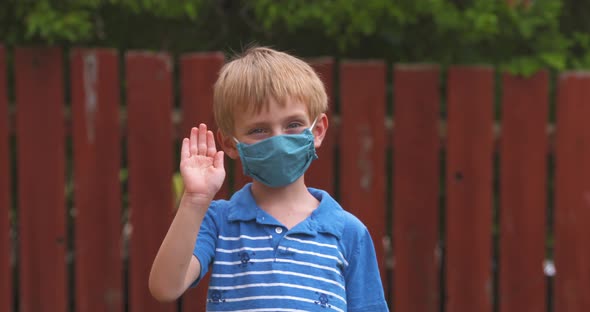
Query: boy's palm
pixel 201 165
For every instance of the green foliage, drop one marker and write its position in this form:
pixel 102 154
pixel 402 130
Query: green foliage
pixel 80 21
pixel 50 23
pixel 159 8
pixel 343 20
pixel 177 187
pixel 581 44
pixel 519 38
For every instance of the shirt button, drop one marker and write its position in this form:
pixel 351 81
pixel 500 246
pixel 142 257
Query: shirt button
pixel 279 230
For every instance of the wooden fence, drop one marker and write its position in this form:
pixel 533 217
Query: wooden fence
pixel 465 181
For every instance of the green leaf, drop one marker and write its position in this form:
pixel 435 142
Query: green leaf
pixel 554 60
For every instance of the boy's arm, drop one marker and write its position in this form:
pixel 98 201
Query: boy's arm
pixel 364 289
pixel 201 167
pixel 175 267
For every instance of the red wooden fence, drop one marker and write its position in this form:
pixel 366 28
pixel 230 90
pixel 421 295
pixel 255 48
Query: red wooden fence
pixel 469 189
pixel 424 176
pixel 416 167
pixel 39 87
pixel 523 181
pixel 198 74
pixel 362 147
pixel 150 157
pixel 572 194
pixel 5 193
pixel 97 161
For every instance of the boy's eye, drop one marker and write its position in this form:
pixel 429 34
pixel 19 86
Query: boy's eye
pixel 293 125
pixel 256 131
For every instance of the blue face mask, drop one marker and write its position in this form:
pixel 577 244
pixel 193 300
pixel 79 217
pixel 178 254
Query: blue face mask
pixel 279 160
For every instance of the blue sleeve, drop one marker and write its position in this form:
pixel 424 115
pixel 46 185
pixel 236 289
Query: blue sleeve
pixel 364 289
pixel 204 248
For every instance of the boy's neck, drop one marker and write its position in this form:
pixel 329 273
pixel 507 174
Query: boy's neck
pixel 289 205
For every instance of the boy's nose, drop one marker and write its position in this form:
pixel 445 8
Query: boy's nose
pixel 277 131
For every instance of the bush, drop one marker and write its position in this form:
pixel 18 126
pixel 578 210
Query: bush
pixel 520 37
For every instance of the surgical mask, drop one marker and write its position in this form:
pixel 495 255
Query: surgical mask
pixel 279 160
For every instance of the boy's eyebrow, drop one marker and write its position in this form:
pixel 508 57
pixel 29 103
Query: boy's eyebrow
pixel 301 115
pixel 256 124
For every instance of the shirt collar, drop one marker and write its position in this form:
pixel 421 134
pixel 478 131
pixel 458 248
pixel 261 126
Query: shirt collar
pixel 328 217
pixel 243 207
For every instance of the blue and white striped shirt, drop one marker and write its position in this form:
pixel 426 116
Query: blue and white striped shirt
pixel 325 263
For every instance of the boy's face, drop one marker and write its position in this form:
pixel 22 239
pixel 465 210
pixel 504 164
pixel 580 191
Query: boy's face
pixel 290 118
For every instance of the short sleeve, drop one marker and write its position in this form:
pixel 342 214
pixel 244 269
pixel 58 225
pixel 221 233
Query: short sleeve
pixel 204 249
pixel 364 289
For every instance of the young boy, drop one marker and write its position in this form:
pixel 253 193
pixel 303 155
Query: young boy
pixel 276 245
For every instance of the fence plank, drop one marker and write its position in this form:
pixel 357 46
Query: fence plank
pixel 572 194
pixel 469 189
pixel 198 74
pixel 362 143
pixel 97 158
pixel 523 178
pixel 150 158
pixel 416 184
pixel 321 172
pixel 5 191
pixel 41 167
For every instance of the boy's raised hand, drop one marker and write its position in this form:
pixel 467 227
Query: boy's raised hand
pixel 201 165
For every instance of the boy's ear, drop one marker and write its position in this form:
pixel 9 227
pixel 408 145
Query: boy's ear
pixel 228 145
pixel 319 130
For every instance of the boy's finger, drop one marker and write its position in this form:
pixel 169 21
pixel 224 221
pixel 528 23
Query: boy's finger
pixel 193 142
pixel 211 149
pixel 202 140
pixel 218 160
pixel 184 150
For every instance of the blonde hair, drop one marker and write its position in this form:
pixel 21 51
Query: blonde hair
pixel 247 82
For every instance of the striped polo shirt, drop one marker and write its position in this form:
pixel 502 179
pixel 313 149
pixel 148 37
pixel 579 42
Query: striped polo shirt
pixel 325 263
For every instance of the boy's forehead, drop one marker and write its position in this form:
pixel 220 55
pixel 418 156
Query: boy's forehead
pixel 270 107
pixel 272 104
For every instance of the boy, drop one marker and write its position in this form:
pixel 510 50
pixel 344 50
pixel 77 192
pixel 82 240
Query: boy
pixel 276 245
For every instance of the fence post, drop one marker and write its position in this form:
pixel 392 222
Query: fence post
pixel 362 143
pixel 41 179
pixel 416 185
pixel 198 73
pixel 469 284
pixel 572 194
pixel 523 183
pixel 97 158
pixel 5 195
pixel 150 159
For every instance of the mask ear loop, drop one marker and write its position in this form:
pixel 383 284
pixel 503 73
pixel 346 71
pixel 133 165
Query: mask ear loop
pixel 313 124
